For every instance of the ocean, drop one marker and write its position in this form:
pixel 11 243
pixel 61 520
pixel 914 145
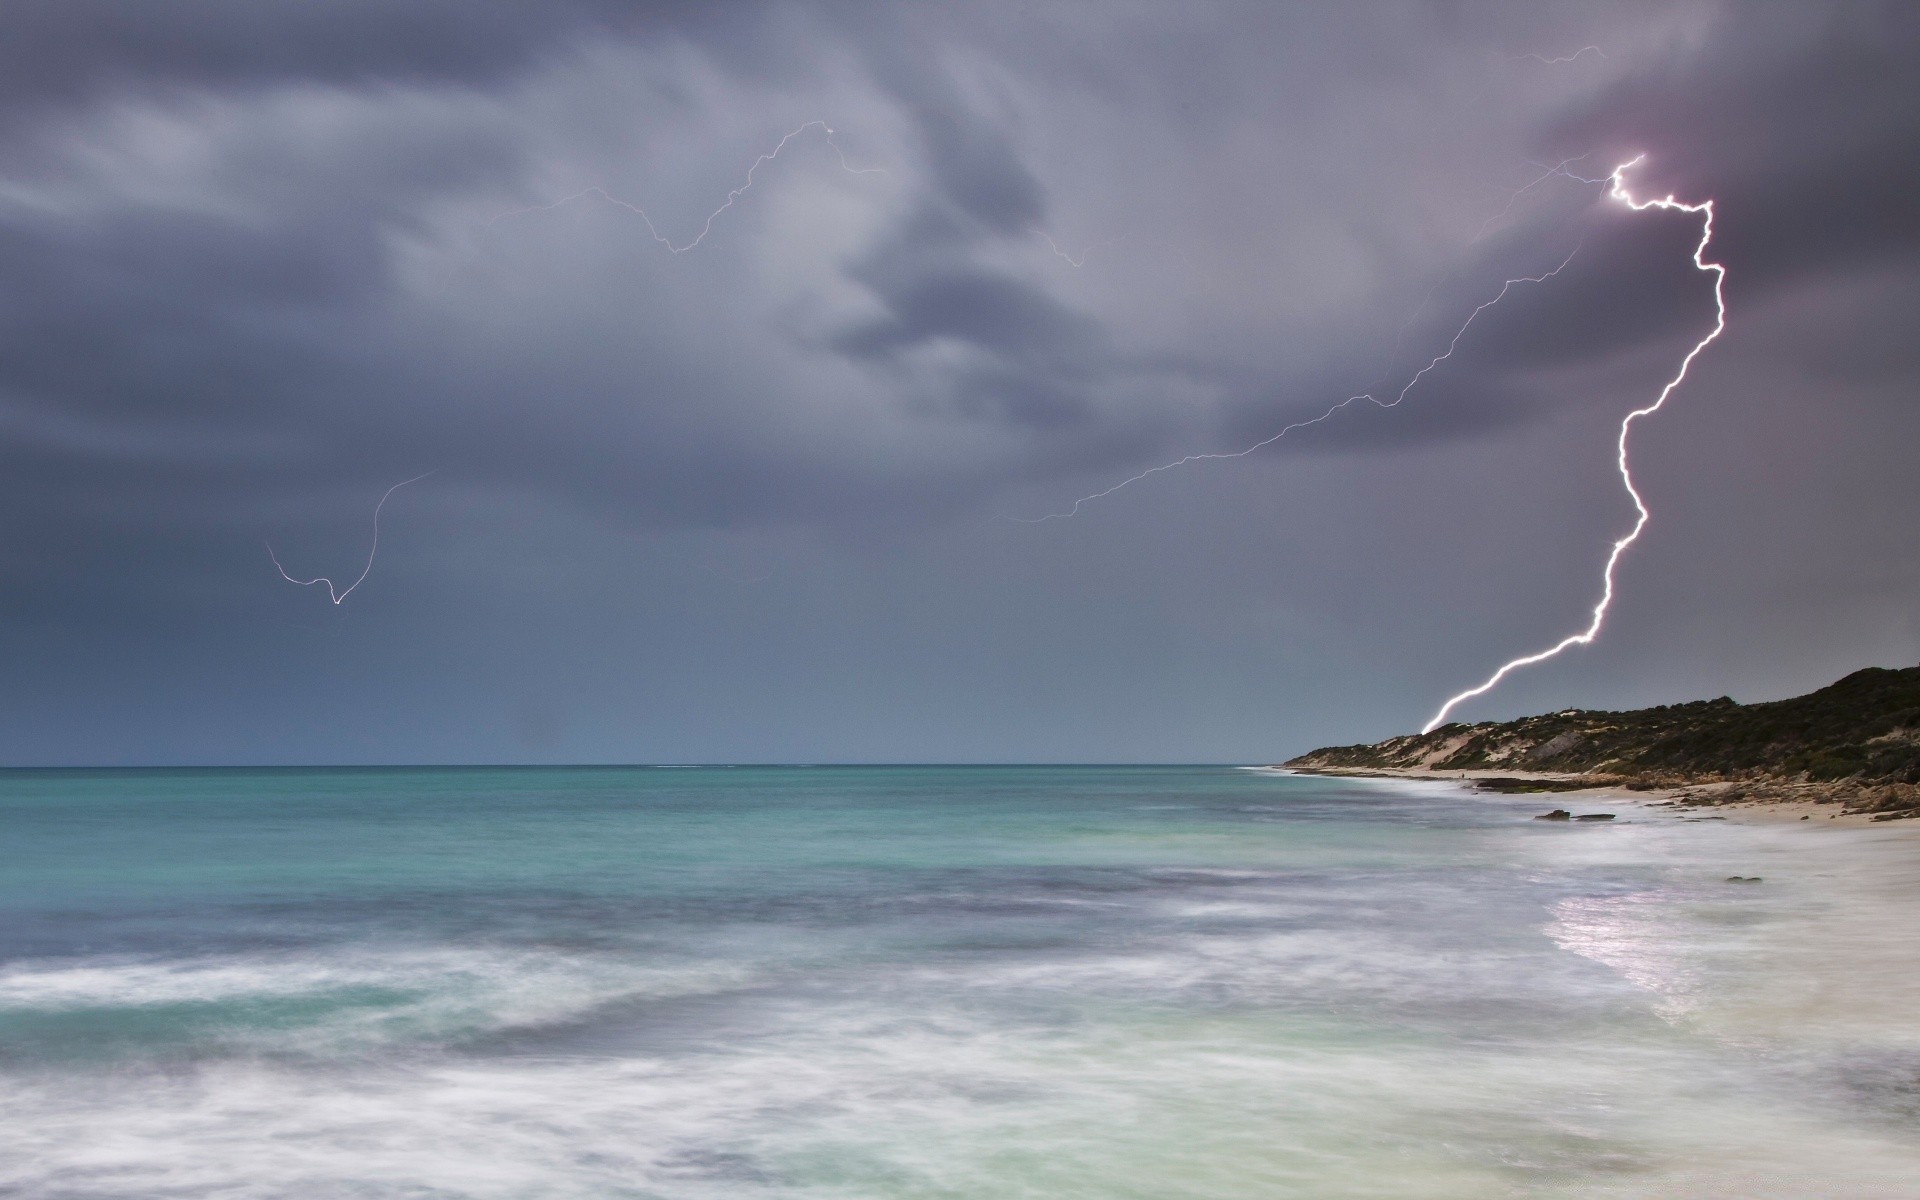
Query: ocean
pixel 936 982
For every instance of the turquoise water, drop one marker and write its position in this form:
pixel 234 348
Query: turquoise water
pixel 933 982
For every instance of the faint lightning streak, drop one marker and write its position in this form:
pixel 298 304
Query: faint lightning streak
pixel 1400 339
pixel 1564 58
pixel 1078 262
pixel 1367 396
pixel 735 194
pixel 1559 168
pixel 337 597
pixel 1619 192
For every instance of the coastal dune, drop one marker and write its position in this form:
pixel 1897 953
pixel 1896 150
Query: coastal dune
pixel 1850 750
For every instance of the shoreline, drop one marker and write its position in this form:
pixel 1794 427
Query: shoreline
pixel 1815 804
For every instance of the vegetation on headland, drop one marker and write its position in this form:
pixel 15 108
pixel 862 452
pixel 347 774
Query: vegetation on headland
pixel 1855 742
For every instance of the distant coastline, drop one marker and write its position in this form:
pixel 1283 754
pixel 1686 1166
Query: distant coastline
pixel 1848 752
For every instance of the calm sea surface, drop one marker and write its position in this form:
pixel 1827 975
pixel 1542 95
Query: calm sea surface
pixel 931 982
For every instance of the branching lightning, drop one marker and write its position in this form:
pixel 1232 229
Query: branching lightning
pixel 1366 396
pixel 1618 191
pixel 338 596
pixel 706 226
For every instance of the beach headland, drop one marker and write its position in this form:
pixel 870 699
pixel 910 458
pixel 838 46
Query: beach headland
pixel 1847 754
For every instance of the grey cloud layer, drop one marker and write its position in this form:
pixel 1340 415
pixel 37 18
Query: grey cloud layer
pixel 256 260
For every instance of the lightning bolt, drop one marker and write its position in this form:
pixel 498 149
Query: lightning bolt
pixel 1564 58
pixel 1078 262
pixel 1437 359
pixel 1618 191
pixel 707 226
pixel 337 597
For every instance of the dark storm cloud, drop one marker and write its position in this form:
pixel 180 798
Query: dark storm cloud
pixel 144 308
pixel 1802 118
pixel 284 313
pixel 1038 354
pixel 189 334
pixel 1629 280
pixel 977 171
pixel 281 314
pixel 997 314
pixel 68 50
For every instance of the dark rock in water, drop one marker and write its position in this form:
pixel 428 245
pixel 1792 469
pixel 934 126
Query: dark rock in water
pixel 1743 879
pixel 1558 814
pixel 1594 817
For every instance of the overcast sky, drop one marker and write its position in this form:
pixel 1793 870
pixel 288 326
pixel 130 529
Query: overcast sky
pixel 771 497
